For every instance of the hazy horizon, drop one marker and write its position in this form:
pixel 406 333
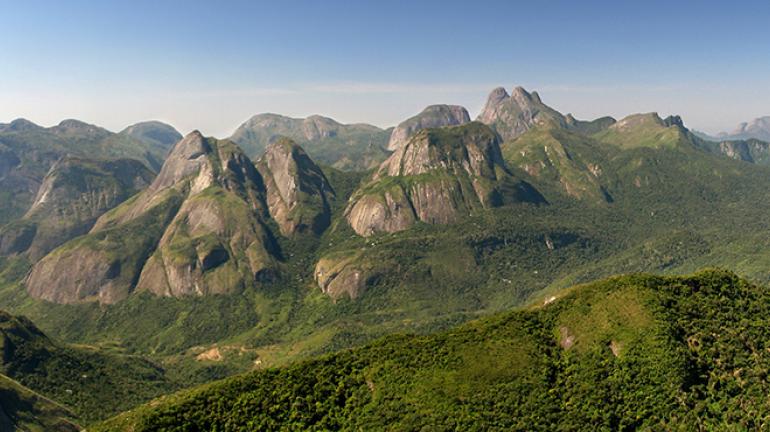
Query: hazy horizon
pixel 211 67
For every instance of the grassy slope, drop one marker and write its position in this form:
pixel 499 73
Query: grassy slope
pixel 91 382
pixel 633 352
pixel 23 409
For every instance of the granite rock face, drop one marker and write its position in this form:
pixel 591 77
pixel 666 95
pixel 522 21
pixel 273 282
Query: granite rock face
pixel 198 229
pixel 512 115
pixel 437 177
pixel 74 193
pixel 431 117
pixel 298 193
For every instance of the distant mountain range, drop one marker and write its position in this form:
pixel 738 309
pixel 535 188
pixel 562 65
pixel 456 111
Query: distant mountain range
pixel 757 129
pixel 28 151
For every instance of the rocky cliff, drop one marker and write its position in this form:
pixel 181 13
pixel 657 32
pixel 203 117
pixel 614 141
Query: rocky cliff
pixel 199 228
pixel 298 193
pixel 74 193
pixel 438 176
pixel 512 115
pixel 431 117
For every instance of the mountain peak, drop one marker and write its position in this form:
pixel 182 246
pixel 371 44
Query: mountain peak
pixel 431 117
pixel 511 116
pixel 20 124
pixel 297 191
pixel 437 177
pixel 155 133
pixel 198 229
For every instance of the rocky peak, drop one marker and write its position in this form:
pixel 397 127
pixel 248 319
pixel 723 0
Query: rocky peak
pixel 512 115
pixel 186 158
pixel 199 229
pixel 298 193
pixel 474 149
pixel 431 117
pixel 674 120
pixel 437 177
pixel 496 97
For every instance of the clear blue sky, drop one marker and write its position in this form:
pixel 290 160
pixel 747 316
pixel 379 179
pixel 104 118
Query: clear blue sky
pixel 210 65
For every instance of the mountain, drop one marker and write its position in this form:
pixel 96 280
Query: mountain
pixel 91 383
pixel 437 176
pixel 27 152
pixel 646 130
pixel 641 194
pixel 431 117
pixel 158 135
pixel 350 147
pixel 560 159
pixel 757 129
pixel 512 115
pixel 298 193
pixel 637 352
pixel 198 229
pixel 74 193
pixel 749 150
pixel 21 409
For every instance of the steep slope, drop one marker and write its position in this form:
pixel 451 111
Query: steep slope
pixel 21 409
pixel 629 353
pixel 748 150
pixel 159 134
pixel 438 176
pixel 298 193
pixel 94 385
pixel 431 117
pixel 512 115
pixel 559 159
pixel 198 229
pixel 350 147
pixel 73 194
pixel 27 152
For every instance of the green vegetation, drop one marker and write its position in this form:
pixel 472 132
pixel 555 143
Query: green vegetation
pixel 644 198
pixel 636 352
pixel 23 409
pixel 92 383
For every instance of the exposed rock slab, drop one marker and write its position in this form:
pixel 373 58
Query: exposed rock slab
pixel 298 193
pixel 431 117
pixel 438 176
pixel 198 229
